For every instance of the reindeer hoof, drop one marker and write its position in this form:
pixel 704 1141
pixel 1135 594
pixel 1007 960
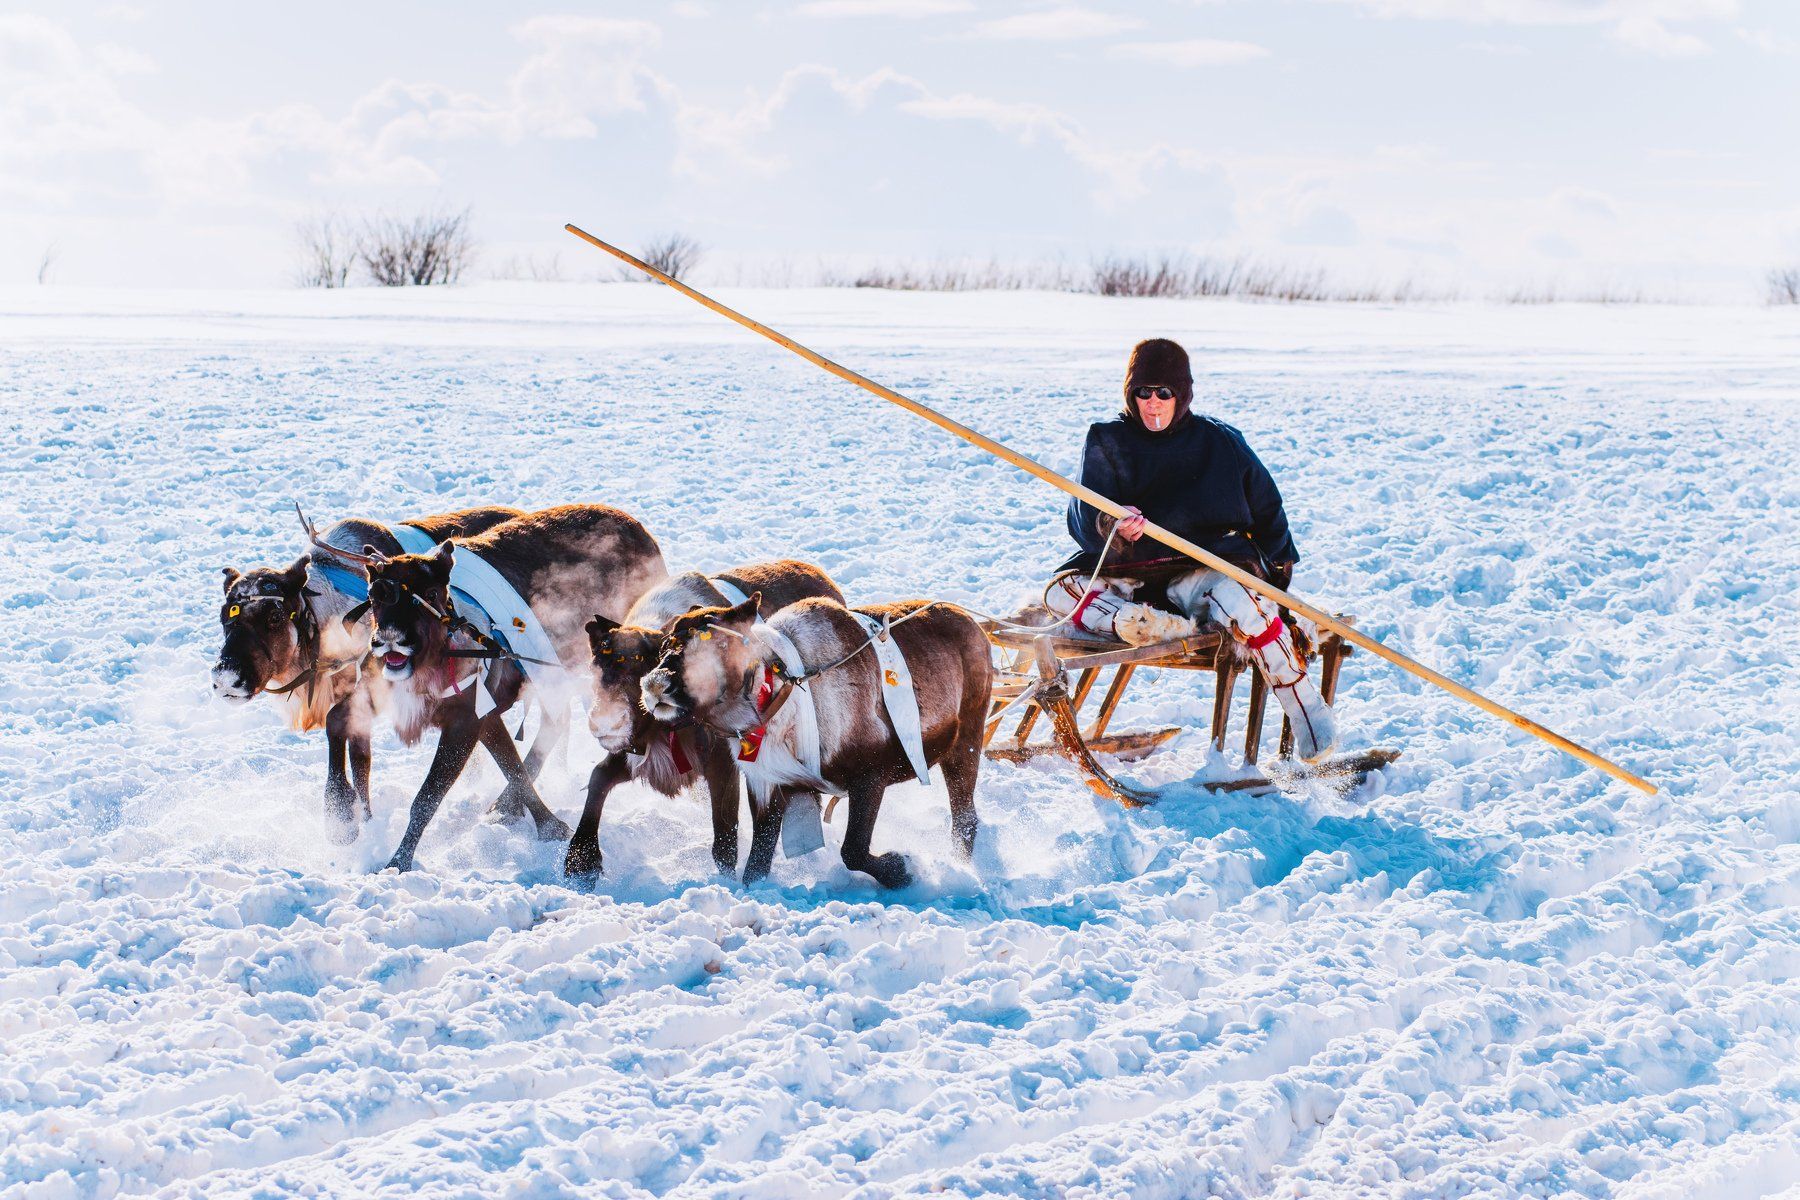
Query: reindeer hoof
pixel 341 831
pixel 554 830
pixel 890 870
pixel 582 866
pixel 505 812
pixel 397 863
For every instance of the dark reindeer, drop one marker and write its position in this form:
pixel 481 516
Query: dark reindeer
pixel 718 664
pixel 663 756
pixel 285 637
pixel 567 563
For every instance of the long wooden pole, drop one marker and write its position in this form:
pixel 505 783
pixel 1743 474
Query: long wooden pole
pixel 1174 541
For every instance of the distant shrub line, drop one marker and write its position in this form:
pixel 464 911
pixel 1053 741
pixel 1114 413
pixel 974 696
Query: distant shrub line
pixel 437 247
pixel 1175 276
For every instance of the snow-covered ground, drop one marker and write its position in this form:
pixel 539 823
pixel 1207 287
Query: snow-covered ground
pixel 1491 972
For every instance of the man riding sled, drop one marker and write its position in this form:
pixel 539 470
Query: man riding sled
pixel 1194 476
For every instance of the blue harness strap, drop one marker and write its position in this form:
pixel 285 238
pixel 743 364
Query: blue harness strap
pixel 353 584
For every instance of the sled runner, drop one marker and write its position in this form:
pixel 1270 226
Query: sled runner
pixel 1033 682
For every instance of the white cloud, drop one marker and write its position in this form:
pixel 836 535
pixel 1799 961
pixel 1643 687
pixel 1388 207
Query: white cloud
pixel 1640 24
pixel 1585 202
pixel 1768 42
pixel 1193 52
pixel 1057 25
pixel 884 8
pixel 952 165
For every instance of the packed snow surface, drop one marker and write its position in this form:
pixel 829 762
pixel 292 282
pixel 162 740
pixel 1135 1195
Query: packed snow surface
pixel 1490 972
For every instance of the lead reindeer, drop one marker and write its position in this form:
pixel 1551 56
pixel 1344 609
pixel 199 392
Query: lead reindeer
pixel 566 564
pixel 668 757
pixel 726 672
pixel 284 636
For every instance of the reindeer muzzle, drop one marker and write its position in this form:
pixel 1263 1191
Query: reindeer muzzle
pixel 663 698
pixel 228 682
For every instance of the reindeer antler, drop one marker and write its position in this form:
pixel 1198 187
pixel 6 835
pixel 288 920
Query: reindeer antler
pixel 338 552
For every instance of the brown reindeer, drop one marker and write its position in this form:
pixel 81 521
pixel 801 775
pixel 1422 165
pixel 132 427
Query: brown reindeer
pixel 566 563
pixel 284 636
pixel 721 670
pixel 663 756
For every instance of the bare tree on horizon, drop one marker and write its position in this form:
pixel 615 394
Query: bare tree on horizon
pixel 430 248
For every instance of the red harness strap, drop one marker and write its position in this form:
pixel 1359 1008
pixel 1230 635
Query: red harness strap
pixel 1086 599
pixel 676 753
pixel 750 744
pixel 1275 630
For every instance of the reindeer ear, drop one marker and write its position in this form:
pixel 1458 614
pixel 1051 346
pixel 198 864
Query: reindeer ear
pixel 744 614
pixel 232 575
pixel 440 558
pixel 295 575
pixel 599 630
pixel 373 553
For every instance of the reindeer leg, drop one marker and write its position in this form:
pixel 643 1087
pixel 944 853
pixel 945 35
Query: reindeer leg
pixel 960 768
pixel 765 835
pixel 889 869
pixel 582 864
pixel 340 792
pixel 550 735
pixel 722 786
pixel 456 742
pixel 499 743
pixel 360 760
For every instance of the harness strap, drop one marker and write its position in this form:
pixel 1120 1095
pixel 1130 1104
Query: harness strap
pixel 769 701
pixel 311 673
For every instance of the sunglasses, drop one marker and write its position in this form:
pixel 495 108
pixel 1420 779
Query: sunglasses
pixel 1145 392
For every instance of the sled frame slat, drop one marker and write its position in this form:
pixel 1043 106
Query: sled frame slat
pixel 1053 657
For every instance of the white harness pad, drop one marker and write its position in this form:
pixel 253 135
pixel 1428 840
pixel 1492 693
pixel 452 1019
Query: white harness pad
pixel 510 618
pixel 734 595
pixel 898 695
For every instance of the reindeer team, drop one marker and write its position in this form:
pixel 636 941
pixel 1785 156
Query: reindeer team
pixel 358 627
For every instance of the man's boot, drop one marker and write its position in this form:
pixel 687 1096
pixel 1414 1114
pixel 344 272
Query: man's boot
pixel 1258 625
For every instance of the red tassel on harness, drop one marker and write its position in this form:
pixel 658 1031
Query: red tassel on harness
pixel 750 744
pixel 682 765
pixel 1275 630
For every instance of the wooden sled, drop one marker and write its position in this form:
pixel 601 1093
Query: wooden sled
pixel 1034 682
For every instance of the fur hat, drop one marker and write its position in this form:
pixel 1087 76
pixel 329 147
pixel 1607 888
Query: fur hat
pixel 1159 362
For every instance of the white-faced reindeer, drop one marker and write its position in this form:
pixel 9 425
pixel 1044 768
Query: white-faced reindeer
pixel 722 670
pixel 285 636
pixel 566 564
pixel 667 757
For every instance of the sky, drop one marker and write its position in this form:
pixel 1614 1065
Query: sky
pixel 1482 144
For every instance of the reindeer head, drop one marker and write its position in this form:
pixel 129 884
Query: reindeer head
pixel 623 655
pixel 409 636
pixel 709 671
pixel 263 618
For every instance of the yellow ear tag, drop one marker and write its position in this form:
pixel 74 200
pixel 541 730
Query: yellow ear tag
pixel 706 635
pixel 234 610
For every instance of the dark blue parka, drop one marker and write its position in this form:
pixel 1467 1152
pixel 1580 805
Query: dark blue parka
pixel 1198 478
